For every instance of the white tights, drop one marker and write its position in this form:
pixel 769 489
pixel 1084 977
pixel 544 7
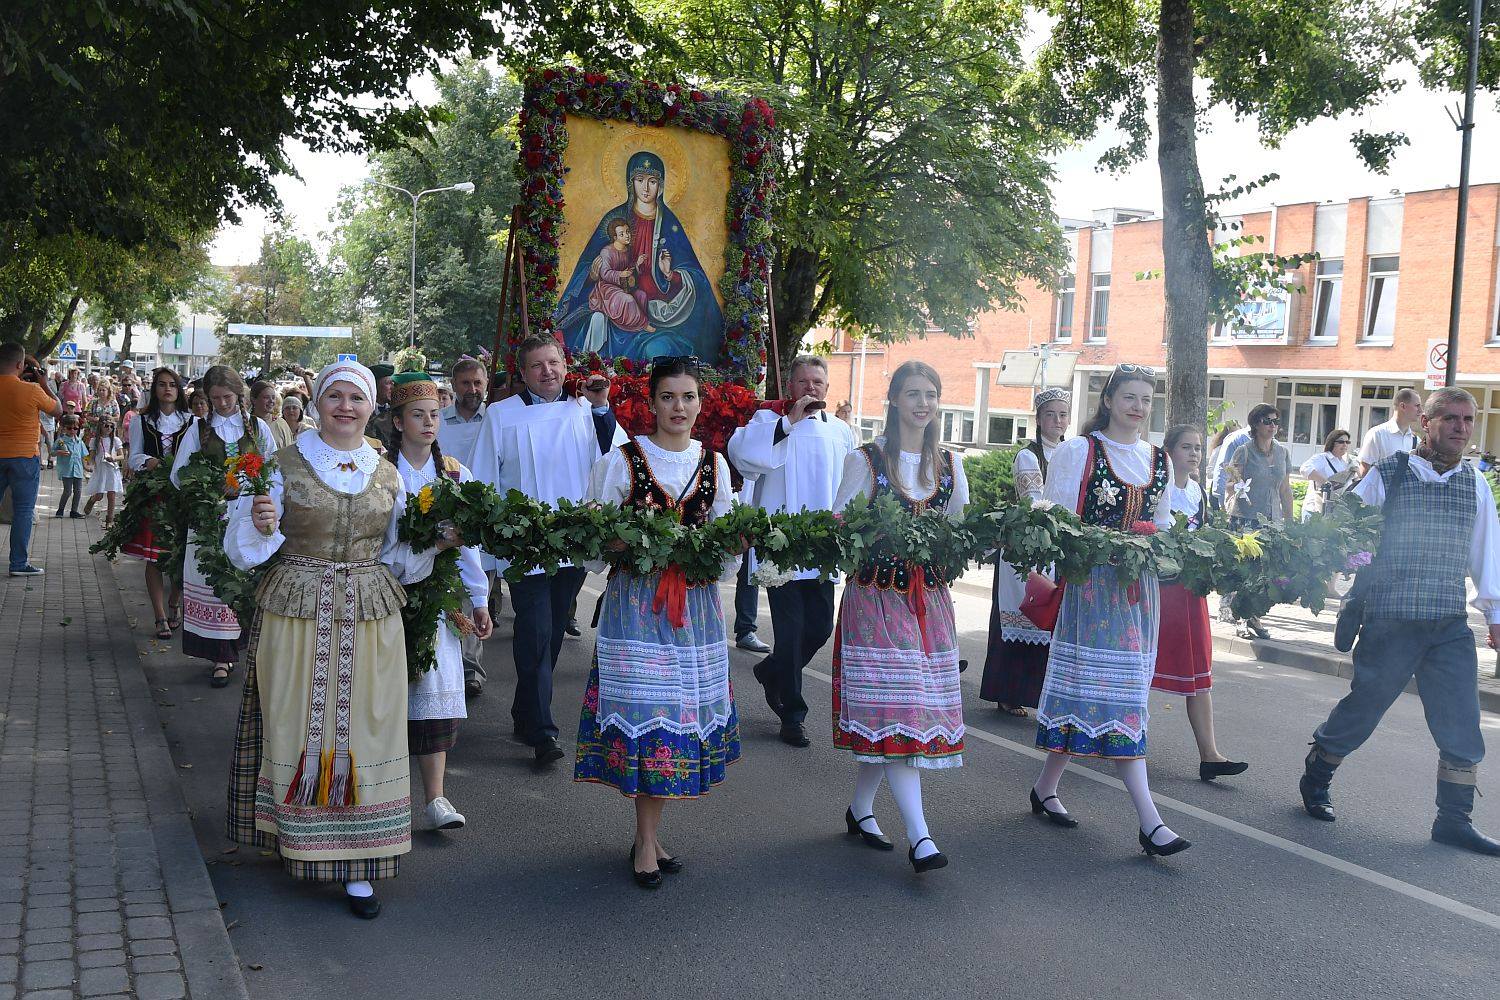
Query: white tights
pixel 1132 772
pixel 906 789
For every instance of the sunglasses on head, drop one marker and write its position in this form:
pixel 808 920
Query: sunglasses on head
pixel 672 360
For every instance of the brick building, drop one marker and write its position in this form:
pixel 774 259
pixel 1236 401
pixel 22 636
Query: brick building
pixel 1331 355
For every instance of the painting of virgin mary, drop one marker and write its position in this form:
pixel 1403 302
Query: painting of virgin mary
pixel 638 290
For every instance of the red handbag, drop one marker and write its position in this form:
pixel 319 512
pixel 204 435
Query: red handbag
pixel 1043 598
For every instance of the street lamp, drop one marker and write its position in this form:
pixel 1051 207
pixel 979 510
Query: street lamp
pixel 464 187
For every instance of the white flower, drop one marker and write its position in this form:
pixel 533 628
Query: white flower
pixel 768 574
pixel 1042 505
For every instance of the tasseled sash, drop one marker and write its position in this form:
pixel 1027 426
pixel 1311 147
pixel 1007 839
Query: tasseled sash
pixel 326 778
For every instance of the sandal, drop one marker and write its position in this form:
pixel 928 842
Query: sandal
pixel 219 680
pixel 174 617
pixel 163 630
pixel 1017 710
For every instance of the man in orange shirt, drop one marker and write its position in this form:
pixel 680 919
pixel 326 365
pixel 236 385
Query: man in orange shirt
pixel 24 397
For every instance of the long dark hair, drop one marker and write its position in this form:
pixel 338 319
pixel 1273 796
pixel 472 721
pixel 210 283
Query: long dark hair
pixel 393 453
pixel 927 471
pixel 153 405
pixel 1120 376
pixel 665 368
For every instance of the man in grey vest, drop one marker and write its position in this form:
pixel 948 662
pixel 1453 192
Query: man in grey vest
pixel 1440 523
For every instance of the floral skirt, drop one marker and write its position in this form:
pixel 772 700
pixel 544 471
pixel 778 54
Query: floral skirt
pixel 1185 654
pixel 658 715
pixel 1099 674
pixel 896 695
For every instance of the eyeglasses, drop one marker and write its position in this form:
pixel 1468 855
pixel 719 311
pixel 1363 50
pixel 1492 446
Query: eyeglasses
pixel 1128 369
pixel 1270 421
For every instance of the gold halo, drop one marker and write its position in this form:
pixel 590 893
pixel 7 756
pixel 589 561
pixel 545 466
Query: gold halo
pixel 627 140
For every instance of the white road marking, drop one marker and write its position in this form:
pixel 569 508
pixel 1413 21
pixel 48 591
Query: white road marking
pixel 1437 900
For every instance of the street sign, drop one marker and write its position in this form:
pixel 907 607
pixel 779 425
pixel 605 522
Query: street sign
pixel 349 357
pixel 106 354
pixel 1437 363
pixel 68 351
pixel 256 330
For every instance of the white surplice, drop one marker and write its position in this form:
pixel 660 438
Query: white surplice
pixel 799 465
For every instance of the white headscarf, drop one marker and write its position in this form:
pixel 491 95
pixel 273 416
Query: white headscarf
pixel 352 372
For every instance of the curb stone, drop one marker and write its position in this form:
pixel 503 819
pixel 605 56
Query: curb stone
pixel 209 961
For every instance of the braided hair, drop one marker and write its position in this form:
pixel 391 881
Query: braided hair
pixel 394 451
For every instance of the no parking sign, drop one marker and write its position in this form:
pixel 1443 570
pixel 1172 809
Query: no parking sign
pixel 1437 363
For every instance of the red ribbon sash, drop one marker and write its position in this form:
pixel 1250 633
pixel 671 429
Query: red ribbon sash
pixel 671 593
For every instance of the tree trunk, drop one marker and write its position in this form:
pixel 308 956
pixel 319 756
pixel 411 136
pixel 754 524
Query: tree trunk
pixel 1186 252
pixel 794 296
pixel 49 344
pixel 125 344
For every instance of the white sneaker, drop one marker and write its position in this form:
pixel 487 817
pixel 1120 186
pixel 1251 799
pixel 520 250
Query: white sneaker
pixel 442 816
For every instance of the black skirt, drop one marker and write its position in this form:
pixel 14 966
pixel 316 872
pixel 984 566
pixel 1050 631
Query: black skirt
pixel 1013 671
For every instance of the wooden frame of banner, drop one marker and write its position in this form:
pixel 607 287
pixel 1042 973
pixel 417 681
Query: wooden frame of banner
pixel 513 265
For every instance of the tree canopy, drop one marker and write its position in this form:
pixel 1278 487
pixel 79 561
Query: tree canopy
pixel 460 238
pixel 913 182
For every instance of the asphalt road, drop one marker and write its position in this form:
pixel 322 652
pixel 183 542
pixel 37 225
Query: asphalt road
pixel 533 898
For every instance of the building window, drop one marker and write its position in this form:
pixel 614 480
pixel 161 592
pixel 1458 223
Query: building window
pixel 1309 411
pixel 1062 323
pixel 1099 309
pixel 869 429
pixel 958 426
pixel 1328 293
pixel 1380 310
pixel 1005 429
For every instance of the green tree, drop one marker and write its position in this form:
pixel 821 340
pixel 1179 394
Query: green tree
pixel 460 238
pixel 913 182
pixel 117 109
pixel 282 288
pixel 1279 62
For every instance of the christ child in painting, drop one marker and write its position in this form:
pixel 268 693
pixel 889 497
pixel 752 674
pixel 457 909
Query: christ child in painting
pixel 616 293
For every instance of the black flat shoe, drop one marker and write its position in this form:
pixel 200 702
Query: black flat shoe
pixel 1211 769
pixel 793 736
pixel 1039 808
pixel 772 701
pixel 646 880
pixel 1174 846
pixel 669 866
pixel 364 907
pixel 219 680
pixel 930 863
pixel 879 841
pixel 1464 836
pixel 548 751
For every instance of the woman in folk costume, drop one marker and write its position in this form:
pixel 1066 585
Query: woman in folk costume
pixel 210 631
pixel 1185 651
pixel 896 700
pixel 153 441
pixel 435 703
pixel 1104 644
pixel 320 770
pixel 658 719
pixel 1017 657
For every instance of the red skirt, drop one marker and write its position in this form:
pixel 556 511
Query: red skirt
pixel 1185 648
pixel 143 545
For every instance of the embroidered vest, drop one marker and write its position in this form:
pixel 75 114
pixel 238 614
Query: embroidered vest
pixel 157 445
pixel 322 524
pixel 1110 502
pixel 696 508
pixel 883 570
pixel 210 442
pixel 1424 546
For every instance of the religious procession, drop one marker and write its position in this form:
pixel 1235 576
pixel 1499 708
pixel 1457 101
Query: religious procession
pixel 985 569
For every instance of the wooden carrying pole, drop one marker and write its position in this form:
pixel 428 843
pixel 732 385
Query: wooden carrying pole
pixel 773 356
pixel 505 268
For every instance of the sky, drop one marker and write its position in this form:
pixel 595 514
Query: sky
pixel 1316 163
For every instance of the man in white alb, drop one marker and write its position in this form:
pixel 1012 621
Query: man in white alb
pixel 456 437
pixel 799 458
pixel 543 442
pixel 1397 434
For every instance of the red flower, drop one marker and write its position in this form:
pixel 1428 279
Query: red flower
pixel 250 464
pixel 533 160
pixel 1143 528
pixel 698 96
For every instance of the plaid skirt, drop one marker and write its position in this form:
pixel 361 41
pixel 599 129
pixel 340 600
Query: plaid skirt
pixel 429 736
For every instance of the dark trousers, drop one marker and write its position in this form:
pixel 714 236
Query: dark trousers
pixel 540 604
pixel 746 602
pixel 802 617
pixel 1442 656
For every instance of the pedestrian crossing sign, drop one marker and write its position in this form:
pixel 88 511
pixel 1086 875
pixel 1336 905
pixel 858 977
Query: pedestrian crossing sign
pixel 349 357
pixel 68 351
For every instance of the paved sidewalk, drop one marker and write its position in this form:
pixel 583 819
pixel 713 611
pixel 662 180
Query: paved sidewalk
pixel 103 891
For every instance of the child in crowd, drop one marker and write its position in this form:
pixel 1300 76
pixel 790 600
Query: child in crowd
pixel 68 453
pixel 106 454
